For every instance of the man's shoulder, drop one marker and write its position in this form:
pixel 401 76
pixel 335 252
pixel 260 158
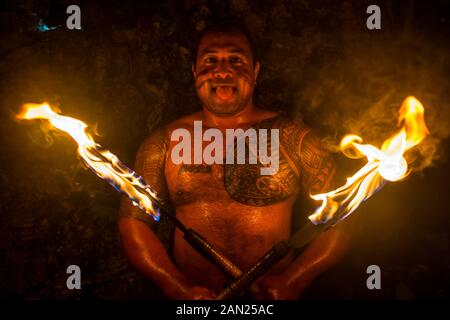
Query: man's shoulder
pixel 158 138
pixel 292 131
pixel 183 122
pixel 161 134
pixel 299 140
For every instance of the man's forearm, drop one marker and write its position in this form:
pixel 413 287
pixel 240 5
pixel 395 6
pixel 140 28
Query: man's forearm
pixel 147 254
pixel 321 254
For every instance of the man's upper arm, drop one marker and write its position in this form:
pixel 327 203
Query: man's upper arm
pixel 318 167
pixel 149 164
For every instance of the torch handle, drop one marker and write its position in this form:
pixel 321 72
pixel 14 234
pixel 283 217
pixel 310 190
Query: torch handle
pixel 271 258
pixel 211 254
pixel 193 238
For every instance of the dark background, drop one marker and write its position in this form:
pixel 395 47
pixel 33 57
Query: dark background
pixel 128 71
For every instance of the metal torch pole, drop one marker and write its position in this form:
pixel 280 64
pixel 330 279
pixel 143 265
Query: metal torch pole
pixel 299 240
pixel 200 244
pixel 195 240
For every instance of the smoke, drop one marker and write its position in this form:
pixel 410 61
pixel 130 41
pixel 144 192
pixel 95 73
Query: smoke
pixel 361 89
pixel 338 77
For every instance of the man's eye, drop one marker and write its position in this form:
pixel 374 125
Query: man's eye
pixel 235 60
pixel 210 60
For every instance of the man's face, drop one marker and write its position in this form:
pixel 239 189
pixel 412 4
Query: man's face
pixel 225 73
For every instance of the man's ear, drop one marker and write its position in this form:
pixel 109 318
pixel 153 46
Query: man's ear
pixel 257 68
pixel 193 71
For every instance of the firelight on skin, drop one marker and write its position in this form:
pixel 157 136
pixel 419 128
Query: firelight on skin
pixel 386 163
pixel 233 206
pixel 213 153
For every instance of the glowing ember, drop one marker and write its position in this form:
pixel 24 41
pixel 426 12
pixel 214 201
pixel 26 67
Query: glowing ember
pixel 105 164
pixel 385 164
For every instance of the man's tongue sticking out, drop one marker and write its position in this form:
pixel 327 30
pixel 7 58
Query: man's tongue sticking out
pixel 224 92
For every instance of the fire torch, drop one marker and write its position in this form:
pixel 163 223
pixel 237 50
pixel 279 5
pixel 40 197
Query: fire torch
pixel 385 164
pixel 108 167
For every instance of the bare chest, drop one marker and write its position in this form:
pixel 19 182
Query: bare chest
pixel 238 183
pixel 189 183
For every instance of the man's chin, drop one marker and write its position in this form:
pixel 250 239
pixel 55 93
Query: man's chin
pixel 224 109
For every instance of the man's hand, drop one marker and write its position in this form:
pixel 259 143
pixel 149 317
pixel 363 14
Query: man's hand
pixel 275 287
pixel 321 254
pixel 201 293
pixel 192 293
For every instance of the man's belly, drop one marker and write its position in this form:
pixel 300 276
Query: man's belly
pixel 242 233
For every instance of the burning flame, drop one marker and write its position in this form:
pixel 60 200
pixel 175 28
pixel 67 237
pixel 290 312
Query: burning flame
pixel 387 164
pixel 105 164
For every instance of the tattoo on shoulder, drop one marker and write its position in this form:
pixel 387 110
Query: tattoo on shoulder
pixel 306 155
pixel 318 165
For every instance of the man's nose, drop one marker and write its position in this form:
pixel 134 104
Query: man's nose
pixel 223 70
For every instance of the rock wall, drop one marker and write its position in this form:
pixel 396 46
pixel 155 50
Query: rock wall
pixel 129 70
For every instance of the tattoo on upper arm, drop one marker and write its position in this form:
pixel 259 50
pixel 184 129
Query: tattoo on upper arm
pixel 150 162
pixel 150 165
pixel 318 165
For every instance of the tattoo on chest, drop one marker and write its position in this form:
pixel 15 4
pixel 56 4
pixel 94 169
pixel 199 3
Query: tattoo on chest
pixel 298 160
pixel 245 184
pixel 195 168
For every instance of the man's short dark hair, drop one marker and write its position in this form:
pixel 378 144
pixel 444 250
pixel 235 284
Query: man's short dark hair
pixel 226 25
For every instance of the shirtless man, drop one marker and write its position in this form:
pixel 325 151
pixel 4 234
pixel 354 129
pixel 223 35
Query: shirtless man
pixel 236 210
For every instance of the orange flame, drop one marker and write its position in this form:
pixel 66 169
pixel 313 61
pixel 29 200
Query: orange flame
pixel 105 164
pixel 385 164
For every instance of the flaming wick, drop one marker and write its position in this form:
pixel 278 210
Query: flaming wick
pixel 108 167
pixel 102 162
pixel 385 164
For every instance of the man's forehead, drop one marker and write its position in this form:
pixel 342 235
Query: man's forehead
pixel 230 41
